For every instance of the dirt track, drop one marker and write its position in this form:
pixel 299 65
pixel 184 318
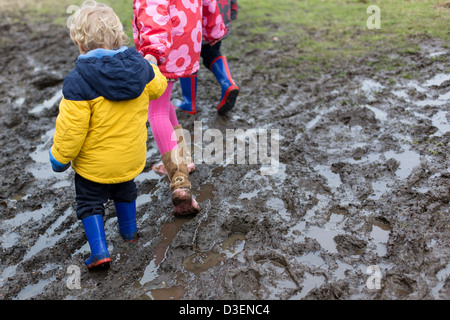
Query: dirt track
pixel 363 180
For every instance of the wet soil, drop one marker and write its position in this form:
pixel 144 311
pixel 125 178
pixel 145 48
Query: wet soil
pixel 360 191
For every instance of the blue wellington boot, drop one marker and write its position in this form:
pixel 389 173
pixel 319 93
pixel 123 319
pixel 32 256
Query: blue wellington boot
pixel 95 233
pixel 219 67
pixel 189 92
pixel 126 217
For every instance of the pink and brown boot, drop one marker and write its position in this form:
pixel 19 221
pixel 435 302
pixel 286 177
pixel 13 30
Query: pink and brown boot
pixel 183 201
pixel 181 143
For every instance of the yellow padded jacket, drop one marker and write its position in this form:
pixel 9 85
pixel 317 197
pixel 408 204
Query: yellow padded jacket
pixel 101 126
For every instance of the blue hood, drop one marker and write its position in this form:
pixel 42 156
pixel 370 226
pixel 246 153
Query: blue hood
pixel 115 74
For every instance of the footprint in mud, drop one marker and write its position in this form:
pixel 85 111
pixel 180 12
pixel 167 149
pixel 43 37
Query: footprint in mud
pixel 202 261
pixel 276 280
pixel 408 160
pixel 168 232
pixel 379 236
pixel 206 192
pixel 172 293
pixel 195 263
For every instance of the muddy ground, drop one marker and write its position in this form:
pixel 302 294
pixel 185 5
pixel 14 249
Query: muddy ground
pixel 361 191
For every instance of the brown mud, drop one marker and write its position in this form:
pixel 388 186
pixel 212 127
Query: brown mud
pixel 362 184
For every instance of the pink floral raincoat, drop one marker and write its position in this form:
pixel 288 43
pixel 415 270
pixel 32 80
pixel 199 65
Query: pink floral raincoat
pixel 172 31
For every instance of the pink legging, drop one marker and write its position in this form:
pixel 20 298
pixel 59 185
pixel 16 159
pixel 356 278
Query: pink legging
pixel 162 118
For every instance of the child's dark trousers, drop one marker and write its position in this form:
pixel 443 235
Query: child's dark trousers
pixel 209 53
pixel 92 196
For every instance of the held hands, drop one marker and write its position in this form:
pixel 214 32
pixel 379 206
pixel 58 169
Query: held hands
pixel 56 165
pixel 151 58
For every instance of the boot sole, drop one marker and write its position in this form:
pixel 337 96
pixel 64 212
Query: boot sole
pixel 187 111
pixel 184 203
pixel 100 263
pixel 128 238
pixel 228 100
pixel 185 209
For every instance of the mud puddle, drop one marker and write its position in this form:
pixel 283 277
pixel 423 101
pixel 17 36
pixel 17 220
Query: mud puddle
pixel 362 181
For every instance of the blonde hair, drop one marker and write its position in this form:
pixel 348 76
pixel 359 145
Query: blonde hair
pixel 95 25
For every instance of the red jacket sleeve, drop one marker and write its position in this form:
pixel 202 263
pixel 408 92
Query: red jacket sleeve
pixel 213 25
pixel 152 28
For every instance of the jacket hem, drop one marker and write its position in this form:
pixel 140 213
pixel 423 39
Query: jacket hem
pixel 114 180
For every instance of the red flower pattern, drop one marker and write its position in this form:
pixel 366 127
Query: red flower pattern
pixel 172 30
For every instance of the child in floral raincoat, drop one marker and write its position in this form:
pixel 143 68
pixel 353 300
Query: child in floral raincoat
pixel 217 63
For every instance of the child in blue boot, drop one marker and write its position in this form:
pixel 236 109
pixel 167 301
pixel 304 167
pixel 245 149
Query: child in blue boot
pixel 217 63
pixel 101 127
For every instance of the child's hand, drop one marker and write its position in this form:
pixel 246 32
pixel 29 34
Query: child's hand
pixel 150 58
pixel 56 165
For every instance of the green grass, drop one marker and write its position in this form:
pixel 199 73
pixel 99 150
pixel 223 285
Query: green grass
pixel 316 24
pixel 331 28
pixel 121 7
pixel 56 11
pixel 319 31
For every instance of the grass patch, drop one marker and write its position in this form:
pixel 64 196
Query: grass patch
pixel 324 27
pixel 313 33
pixel 56 11
pixel 325 30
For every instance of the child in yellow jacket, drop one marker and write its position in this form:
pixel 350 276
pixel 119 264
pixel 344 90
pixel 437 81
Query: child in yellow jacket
pixel 101 126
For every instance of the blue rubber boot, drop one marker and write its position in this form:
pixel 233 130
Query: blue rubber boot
pixel 219 67
pixel 95 233
pixel 126 217
pixel 189 92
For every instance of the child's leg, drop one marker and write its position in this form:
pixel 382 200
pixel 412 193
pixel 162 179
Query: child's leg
pixel 160 117
pixel 124 197
pixel 163 130
pixel 210 53
pixel 189 83
pixel 189 93
pixel 218 65
pixel 90 198
pixel 172 114
pixel 159 167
